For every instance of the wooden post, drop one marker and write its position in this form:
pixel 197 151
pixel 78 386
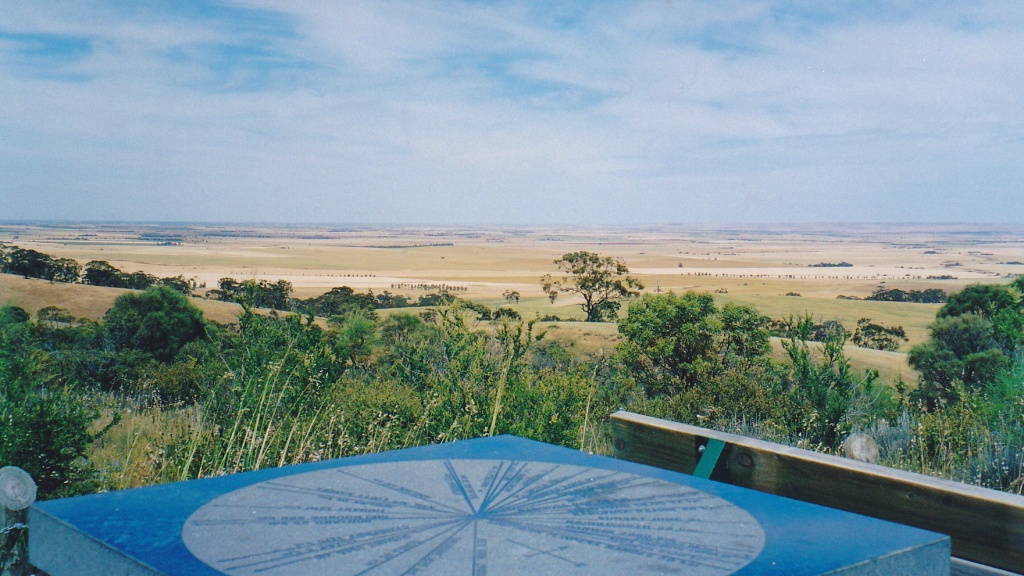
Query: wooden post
pixel 17 493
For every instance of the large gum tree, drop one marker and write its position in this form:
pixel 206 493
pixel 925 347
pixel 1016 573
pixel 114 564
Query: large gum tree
pixel 602 282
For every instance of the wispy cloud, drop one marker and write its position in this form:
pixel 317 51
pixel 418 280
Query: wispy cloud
pixel 584 112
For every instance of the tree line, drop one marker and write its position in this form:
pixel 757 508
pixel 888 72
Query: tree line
pixel 338 300
pixel 253 293
pixel 34 264
pixel 928 296
pixel 435 286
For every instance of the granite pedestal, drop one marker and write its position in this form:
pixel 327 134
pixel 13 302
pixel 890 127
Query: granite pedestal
pixel 495 506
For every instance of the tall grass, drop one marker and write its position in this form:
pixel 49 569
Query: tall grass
pixel 280 399
pixel 278 391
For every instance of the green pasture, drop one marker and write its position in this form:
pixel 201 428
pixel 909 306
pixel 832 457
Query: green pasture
pixel 915 318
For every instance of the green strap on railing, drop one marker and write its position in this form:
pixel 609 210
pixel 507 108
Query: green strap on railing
pixel 706 464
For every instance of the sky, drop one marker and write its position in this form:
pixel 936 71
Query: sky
pixel 512 113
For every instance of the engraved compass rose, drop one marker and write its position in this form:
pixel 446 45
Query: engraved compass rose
pixel 473 517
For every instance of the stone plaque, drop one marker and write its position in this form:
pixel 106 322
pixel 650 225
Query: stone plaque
pixel 496 506
pixel 497 517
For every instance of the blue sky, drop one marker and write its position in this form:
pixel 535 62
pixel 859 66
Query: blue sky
pixel 512 112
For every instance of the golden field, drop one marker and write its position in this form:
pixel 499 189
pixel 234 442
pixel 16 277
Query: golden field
pixel 768 267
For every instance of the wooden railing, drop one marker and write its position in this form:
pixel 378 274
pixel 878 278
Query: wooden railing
pixel 986 526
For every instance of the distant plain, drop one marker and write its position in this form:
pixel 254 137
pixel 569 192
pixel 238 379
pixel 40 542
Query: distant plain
pixel 774 268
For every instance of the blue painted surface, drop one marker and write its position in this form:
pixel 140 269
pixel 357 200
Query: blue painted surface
pixel 800 538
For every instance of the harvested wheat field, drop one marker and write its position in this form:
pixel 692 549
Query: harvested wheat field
pixel 823 271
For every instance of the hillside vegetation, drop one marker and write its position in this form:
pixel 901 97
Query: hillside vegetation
pixel 112 379
pixel 154 391
pixel 89 302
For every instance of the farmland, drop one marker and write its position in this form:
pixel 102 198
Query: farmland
pixel 779 270
pixel 750 265
pixel 142 390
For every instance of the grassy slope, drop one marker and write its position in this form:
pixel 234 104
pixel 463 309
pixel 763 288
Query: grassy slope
pixel 915 318
pixel 87 301
pixel 891 366
pixel 93 302
pixel 589 337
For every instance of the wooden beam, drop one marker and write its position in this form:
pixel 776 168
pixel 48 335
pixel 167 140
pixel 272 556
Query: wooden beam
pixel 961 567
pixel 986 526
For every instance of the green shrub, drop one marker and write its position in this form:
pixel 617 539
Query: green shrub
pixel 43 424
pixel 674 343
pixel 159 321
pixel 13 315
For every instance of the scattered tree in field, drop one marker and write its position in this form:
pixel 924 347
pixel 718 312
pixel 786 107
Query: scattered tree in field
pixel 65 270
pixel 179 284
pixel 804 327
pixel 337 302
pixel 388 300
pixel 253 293
pixel 101 273
pixel 878 336
pixel 506 313
pixel 55 316
pixel 831 265
pixel 435 299
pixel 602 281
pixel 511 296
pixel 929 296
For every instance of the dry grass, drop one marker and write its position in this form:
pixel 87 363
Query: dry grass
pixel 597 338
pixel 891 366
pixel 749 266
pixel 494 260
pixel 915 318
pixel 132 452
pixel 90 302
pixel 32 294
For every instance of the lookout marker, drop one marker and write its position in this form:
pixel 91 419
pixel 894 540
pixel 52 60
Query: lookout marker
pixel 495 506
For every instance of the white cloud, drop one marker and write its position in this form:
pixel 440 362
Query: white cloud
pixel 414 111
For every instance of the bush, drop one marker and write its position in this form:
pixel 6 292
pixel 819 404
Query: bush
pixel 962 350
pixel 46 433
pixel 738 394
pixel 44 425
pixel 13 315
pixel 158 321
pixel 674 343
pixel 878 336
pixel 820 395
